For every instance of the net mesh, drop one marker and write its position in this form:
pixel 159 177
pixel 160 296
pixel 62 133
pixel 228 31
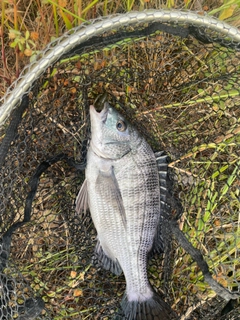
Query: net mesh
pixel 180 87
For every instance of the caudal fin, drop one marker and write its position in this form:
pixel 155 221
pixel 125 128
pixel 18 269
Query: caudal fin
pixel 151 309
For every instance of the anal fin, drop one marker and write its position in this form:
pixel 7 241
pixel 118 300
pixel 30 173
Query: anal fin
pixel 100 258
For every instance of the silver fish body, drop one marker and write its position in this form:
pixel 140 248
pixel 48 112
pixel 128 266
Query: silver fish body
pixel 122 192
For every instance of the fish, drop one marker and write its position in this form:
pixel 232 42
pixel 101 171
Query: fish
pixel 121 189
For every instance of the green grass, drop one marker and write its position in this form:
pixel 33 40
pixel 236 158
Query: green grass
pixel 207 172
pixel 27 27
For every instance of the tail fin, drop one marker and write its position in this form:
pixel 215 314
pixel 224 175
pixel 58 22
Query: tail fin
pixel 151 309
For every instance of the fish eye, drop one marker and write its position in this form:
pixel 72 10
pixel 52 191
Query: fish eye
pixel 121 126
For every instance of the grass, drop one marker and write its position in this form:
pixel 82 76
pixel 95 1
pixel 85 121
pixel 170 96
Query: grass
pixel 206 167
pixel 28 26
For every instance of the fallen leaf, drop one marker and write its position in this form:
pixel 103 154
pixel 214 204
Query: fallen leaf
pixel 77 293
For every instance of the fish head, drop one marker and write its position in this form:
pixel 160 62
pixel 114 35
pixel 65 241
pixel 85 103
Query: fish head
pixel 112 135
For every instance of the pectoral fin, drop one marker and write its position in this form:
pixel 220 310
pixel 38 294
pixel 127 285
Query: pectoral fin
pixel 82 199
pixel 107 186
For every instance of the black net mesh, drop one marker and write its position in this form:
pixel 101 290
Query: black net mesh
pixel 180 87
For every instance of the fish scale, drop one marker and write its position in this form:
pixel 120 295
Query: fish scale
pixel 123 195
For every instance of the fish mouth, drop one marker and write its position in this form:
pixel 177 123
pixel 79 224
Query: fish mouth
pixel 102 115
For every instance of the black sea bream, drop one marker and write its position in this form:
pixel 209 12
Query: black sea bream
pixel 121 190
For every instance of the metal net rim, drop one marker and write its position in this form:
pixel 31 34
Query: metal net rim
pixel 78 35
